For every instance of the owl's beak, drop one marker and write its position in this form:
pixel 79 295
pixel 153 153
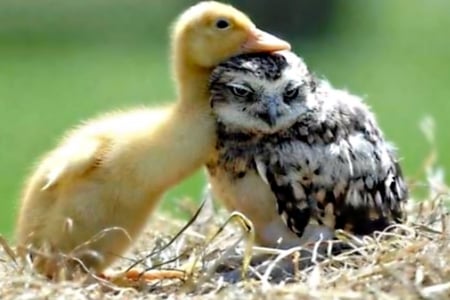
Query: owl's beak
pixel 271 114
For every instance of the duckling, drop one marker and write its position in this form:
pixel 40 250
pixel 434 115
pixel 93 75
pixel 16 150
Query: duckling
pixel 111 171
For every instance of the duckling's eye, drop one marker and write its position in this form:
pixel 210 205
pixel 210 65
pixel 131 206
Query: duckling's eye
pixel 222 24
pixel 291 93
pixel 240 90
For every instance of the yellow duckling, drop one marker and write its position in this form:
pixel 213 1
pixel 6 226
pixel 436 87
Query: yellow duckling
pixel 111 171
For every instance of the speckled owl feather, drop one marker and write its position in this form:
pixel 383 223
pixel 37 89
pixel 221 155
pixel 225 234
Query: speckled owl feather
pixel 318 148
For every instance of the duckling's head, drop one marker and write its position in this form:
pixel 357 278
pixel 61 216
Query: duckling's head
pixel 210 32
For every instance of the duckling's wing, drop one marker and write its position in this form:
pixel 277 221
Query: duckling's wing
pixel 73 158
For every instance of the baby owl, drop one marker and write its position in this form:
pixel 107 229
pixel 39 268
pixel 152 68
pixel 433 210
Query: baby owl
pixel 299 157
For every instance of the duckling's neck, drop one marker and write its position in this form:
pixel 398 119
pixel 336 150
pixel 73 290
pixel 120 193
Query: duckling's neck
pixel 187 137
pixel 191 82
pixel 193 87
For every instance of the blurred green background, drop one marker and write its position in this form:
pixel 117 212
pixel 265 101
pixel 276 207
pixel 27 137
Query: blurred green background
pixel 66 61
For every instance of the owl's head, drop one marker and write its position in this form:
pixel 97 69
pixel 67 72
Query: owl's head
pixel 261 92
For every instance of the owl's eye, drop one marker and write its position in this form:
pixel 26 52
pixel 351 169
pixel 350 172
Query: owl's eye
pixel 222 24
pixel 240 90
pixel 291 93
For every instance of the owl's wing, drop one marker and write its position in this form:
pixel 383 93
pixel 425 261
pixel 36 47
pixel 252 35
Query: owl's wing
pixel 355 184
pixel 373 200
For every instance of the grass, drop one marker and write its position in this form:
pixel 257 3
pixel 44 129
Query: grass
pixel 68 62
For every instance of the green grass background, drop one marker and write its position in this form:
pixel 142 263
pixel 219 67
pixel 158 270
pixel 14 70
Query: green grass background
pixel 66 61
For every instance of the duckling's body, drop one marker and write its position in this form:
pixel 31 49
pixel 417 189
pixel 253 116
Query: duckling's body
pixel 110 172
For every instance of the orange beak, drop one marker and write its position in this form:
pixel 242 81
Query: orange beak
pixel 261 41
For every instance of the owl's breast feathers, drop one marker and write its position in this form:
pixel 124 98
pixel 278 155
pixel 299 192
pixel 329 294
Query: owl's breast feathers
pixel 235 152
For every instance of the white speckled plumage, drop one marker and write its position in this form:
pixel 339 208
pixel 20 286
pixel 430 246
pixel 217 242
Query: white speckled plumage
pixel 291 147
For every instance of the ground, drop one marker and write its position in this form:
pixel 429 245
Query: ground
pixel 410 262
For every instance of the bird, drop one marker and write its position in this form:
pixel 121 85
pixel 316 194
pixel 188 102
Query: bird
pixel 299 157
pixel 109 172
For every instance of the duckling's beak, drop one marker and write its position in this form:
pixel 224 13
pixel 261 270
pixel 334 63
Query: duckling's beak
pixel 261 41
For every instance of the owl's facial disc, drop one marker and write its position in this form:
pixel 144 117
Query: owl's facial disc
pixel 262 93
